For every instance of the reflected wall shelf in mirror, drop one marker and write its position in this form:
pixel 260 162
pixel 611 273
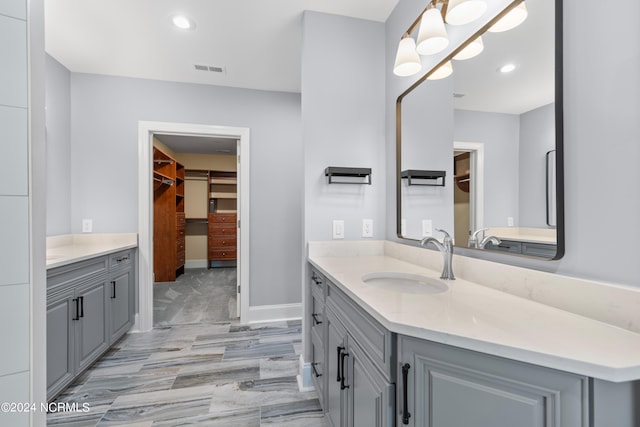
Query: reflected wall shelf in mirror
pixel 346 175
pixel 424 177
pixel 515 118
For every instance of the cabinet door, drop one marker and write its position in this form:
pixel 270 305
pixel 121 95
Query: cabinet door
pixel 92 336
pixel 448 386
pixel 336 344
pixel 60 340
pixel 371 398
pixel 121 304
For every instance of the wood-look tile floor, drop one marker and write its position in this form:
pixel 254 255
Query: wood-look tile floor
pixel 206 374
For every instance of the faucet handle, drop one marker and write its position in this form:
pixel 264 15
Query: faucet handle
pixel 475 233
pixel 446 235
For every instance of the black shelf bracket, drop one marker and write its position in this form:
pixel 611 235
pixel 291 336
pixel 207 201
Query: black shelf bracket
pixel 424 177
pixel 363 174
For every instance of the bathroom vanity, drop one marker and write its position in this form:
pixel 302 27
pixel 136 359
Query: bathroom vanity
pixel 90 301
pixel 459 355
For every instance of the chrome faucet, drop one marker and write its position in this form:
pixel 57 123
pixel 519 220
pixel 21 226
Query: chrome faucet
pixel 446 249
pixel 475 242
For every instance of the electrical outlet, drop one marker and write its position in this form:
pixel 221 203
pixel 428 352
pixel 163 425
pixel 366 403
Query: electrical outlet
pixel 87 225
pixel 367 228
pixel 338 229
pixel 427 228
pixel 510 221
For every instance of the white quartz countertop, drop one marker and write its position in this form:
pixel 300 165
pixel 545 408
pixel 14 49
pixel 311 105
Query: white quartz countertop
pixel 70 248
pixel 523 234
pixel 483 319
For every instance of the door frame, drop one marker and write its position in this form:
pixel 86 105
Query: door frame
pixel 146 130
pixel 476 172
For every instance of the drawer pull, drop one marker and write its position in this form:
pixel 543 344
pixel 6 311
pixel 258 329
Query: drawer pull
pixel 316 280
pixel 339 348
pixel 342 357
pixel 77 301
pixel 405 405
pixel 315 371
pixel 315 319
pixel 113 289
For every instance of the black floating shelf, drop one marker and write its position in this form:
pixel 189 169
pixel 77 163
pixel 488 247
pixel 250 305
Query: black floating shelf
pixel 333 172
pixel 424 177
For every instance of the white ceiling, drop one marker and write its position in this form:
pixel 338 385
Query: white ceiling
pixel 257 42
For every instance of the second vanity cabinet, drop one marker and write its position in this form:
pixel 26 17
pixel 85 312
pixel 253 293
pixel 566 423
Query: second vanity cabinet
pixel 441 386
pixel 90 305
pixel 351 355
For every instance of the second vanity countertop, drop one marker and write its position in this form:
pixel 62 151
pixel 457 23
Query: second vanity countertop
pixel 486 320
pixel 70 248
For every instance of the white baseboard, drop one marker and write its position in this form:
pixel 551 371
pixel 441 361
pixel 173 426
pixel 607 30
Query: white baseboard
pixel 195 263
pixel 272 313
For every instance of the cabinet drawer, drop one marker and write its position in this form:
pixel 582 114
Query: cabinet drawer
pixel 374 339
pixel 76 272
pixel 222 218
pixel 120 259
pixel 222 254
pixel 318 366
pixel 317 314
pixel 221 230
pixel 222 242
pixel 317 282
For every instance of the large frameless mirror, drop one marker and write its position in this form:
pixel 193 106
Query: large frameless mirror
pixel 479 152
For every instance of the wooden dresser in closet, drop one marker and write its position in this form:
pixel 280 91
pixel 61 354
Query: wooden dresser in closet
pixel 222 239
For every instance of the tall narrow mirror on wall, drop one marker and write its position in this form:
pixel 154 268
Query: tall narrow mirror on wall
pixel 493 128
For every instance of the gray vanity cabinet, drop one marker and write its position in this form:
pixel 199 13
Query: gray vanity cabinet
pixel 359 383
pixel 90 304
pixel 92 329
pixel 446 386
pixel 121 294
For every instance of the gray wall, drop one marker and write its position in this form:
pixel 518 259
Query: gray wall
pixel 104 163
pixel 499 133
pixel 601 130
pixel 537 136
pixel 342 122
pixel 58 105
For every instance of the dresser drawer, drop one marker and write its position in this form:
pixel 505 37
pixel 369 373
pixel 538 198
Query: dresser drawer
pixel 221 230
pixel 222 218
pixel 222 242
pixel 222 253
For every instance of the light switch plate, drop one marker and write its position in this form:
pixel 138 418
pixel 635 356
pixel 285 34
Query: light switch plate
pixel 367 228
pixel 338 229
pixel 427 228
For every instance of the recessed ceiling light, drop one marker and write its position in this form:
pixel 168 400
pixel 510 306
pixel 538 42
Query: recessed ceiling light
pixel 507 68
pixel 183 22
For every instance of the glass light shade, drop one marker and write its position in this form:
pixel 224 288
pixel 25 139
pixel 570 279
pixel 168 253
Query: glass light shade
pixel 407 60
pixel 183 22
pixel 460 12
pixel 443 71
pixel 515 17
pixel 473 49
pixel 432 37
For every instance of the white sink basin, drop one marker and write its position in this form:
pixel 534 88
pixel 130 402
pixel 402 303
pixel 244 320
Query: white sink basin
pixel 405 283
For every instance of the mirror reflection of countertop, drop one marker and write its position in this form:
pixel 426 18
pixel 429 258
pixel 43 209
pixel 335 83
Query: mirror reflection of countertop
pixel 70 248
pixel 524 234
pixel 479 318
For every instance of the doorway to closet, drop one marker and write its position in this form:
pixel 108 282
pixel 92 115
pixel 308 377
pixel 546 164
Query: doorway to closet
pixel 193 219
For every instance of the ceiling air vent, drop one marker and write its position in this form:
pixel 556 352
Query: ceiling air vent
pixel 212 68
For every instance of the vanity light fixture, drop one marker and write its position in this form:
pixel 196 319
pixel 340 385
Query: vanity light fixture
pixel 473 49
pixel 460 12
pixel 183 22
pixel 407 60
pixel 432 35
pixel 443 71
pixel 515 17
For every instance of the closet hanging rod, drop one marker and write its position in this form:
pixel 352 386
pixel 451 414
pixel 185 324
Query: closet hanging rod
pixel 163 161
pixel 163 180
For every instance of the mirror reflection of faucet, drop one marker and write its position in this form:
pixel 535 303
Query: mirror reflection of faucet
pixel 446 249
pixel 476 242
